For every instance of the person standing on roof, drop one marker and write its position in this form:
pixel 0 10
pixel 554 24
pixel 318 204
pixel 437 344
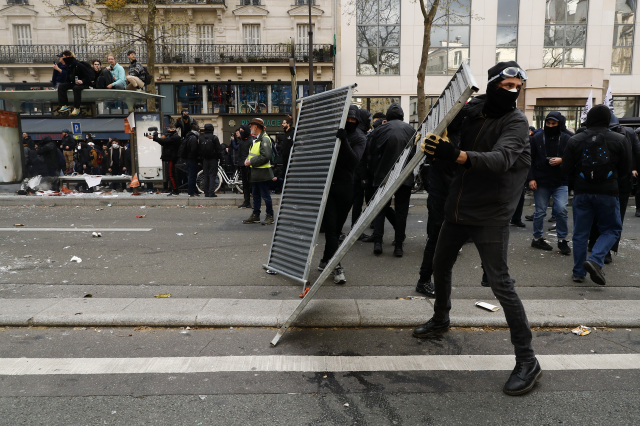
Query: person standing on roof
pixel 259 159
pixel 492 164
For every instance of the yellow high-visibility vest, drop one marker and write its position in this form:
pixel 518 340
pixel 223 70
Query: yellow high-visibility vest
pixel 255 151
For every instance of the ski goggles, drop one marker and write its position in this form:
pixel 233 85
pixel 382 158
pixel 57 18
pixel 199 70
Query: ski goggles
pixel 511 72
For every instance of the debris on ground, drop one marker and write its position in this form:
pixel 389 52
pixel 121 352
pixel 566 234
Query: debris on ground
pixel 141 216
pixel 195 233
pixel 76 259
pixel 96 235
pixel 412 298
pixel 179 234
pixel 88 295
pixel 162 296
pixel 581 330
pixel 18 224
pixel 304 293
pixel 487 306
pixel 143 328
pixel 270 272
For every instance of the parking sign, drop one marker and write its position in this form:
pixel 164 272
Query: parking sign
pixel 75 128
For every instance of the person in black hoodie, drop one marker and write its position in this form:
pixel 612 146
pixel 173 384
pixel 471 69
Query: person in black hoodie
pixel 340 198
pixel 493 159
pixel 209 145
pixel 360 173
pixel 27 141
pixel 49 152
pixel 596 190
pixel 387 144
pixel 79 77
pixel 191 156
pixel 170 142
pixel 547 180
pixel 284 148
pixel 246 141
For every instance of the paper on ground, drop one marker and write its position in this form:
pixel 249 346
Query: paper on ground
pixel 93 180
pixel 487 306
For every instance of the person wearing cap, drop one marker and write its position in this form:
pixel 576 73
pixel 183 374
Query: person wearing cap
pixel 493 159
pixel 259 160
pixel 596 191
pixel 59 72
pixel 184 123
pixel 547 180
pixel 67 145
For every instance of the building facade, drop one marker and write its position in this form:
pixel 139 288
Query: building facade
pixel 568 47
pixel 225 61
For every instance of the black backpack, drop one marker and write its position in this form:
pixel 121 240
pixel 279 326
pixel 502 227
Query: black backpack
pixel 147 76
pixel 209 146
pixel 87 69
pixel 595 164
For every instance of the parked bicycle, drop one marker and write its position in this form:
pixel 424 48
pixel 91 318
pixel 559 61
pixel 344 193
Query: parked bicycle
pixel 233 183
pixel 250 107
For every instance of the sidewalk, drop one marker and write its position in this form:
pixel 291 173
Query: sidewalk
pixel 174 312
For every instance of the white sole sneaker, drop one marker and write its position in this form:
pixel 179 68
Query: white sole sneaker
pixel 338 276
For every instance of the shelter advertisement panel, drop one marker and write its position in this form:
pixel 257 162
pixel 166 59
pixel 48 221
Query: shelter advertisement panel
pixel 10 148
pixel 148 151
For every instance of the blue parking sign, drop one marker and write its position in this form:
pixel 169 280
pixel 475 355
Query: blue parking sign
pixel 75 128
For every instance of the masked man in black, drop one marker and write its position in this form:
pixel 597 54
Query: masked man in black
pixel 493 160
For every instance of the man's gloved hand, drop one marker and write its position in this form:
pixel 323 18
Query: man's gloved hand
pixel 439 147
pixel 341 134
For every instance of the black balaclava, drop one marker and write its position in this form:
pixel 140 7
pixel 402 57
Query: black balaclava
pixel 244 132
pixel 350 127
pixel 499 101
pixel 553 131
pixel 598 116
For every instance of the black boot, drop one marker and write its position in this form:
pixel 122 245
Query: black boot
pixel 430 328
pixel 523 378
pixel 398 252
pixel 377 248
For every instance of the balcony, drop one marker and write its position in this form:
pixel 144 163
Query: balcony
pixel 14 2
pixel 171 53
pixel 169 2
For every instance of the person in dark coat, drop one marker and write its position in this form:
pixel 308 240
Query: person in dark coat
pixel 79 77
pixel 170 143
pixel 493 159
pixel 59 72
pixel 49 152
pixel 209 146
pixel 246 141
pixel 67 145
pixel 191 157
pixel 116 162
pixel 27 141
pixel 184 123
pixel 387 145
pixel 106 160
pixel 37 165
pixel 285 147
pixel 340 198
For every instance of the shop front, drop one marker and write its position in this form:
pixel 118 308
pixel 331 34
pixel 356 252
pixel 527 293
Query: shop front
pixel 231 122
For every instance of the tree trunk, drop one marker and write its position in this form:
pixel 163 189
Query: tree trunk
pixel 426 42
pixel 150 39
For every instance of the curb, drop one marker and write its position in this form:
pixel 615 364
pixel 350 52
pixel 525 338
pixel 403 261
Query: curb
pixel 129 312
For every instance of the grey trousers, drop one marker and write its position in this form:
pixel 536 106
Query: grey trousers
pixel 492 243
pixel 210 171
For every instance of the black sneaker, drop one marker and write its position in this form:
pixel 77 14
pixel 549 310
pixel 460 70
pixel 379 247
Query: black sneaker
pixel 552 227
pixel 607 258
pixel 595 272
pixel 577 279
pixel 430 328
pixel 426 287
pixel 552 219
pixel 398 252
pixel 368 239
pixel 377 248
pixel 529 217
pixel 540 243
pixel 563 245
pixel 519 224
pixel 244 205
pixel 342 237
pixel 485 280
pixel 637 213
pixel 523 378
pixel 363 236
pixel 322 265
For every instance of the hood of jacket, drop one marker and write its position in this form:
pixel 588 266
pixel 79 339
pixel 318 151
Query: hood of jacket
pixel 555 115
pixel 354 112
pixel 365 120
pixel 246 132
pixel 395 113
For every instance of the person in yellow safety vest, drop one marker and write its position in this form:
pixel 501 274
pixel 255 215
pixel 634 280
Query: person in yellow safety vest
pixel 259 160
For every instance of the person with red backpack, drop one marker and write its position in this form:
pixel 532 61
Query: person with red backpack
pixel 80 76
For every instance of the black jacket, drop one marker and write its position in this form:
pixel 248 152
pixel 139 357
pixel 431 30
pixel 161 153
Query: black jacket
pixel 245 145
pixel 284 149
pixel 83 71
pixel 185 128
pixel 216 145
pixel 360 174
pixel 170 144
pixel 544 146
pixel 486 190
pixel 619 157
pixel 68 141
pixel 191 146
pixel 351 150
pixel 81 157
pixel 49 152
pixel 116 160
pixel 387 144
pixel 28 142
pixel 632 149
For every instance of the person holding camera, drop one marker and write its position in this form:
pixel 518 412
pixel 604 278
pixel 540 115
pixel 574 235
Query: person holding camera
pixel 547 180
pixel 170 142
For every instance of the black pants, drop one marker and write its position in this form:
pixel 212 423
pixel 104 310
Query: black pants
pixel 361 193
pixel 595 231
pixel 492 243
pixel 335 215
pixel 210 171
pixel 397 217
pixel 517 216
pixel 435 206
pixel 170 177
pixel 192 175
pixel 63 100
pixel 246 183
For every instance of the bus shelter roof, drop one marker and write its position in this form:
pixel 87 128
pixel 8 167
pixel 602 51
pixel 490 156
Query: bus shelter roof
pixel 88 95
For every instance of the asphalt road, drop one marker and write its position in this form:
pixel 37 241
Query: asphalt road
pixel 575 397
pixel 218 256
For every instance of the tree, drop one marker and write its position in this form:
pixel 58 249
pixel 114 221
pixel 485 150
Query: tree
pixel 126 23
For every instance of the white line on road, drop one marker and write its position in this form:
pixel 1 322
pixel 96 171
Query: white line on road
pixel 298 363
pixel 78 229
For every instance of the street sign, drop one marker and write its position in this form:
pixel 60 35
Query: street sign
pixel 75 128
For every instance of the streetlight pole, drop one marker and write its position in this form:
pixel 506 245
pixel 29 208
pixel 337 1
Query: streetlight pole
pixel 310 52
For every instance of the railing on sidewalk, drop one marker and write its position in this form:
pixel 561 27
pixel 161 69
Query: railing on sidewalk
pixel 169 53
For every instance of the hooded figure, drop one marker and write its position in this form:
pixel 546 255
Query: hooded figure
pixel 49 152
pixel 549 143
pixel 246 141
pixel 387 145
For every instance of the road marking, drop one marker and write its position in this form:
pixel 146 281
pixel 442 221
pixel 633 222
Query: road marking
pixel 78 229
pixel 297 363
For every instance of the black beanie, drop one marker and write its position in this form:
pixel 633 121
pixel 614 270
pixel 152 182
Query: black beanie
pixel 499 67
pixel 598 116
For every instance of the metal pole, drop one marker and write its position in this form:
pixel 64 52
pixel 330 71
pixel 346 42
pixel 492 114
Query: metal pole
pixel 294 83
pixel 310 52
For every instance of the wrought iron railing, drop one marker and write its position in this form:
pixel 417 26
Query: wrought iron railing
pixel 161 2
pixel 14 2
pixel 170 53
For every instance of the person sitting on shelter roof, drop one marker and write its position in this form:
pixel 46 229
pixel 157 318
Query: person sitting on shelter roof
pixel 79 77
pixel 113 75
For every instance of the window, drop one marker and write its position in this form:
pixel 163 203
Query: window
pixel 507 30
pixel 251 33
pixel 623 24
pixel 22 34
pixel 206 35
pixel 124 35
pixel 413 108
pixel 305 2
pixel 303 38
pixel 378 37
pixel 252 98
pixel 374 105
pixel 449 37
pixel 221 98
pixel 565 33
pixel 77 35
pixel 180 34
pixel 280 98
pixel 189 97
pixel 250 2
pixel 625 106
